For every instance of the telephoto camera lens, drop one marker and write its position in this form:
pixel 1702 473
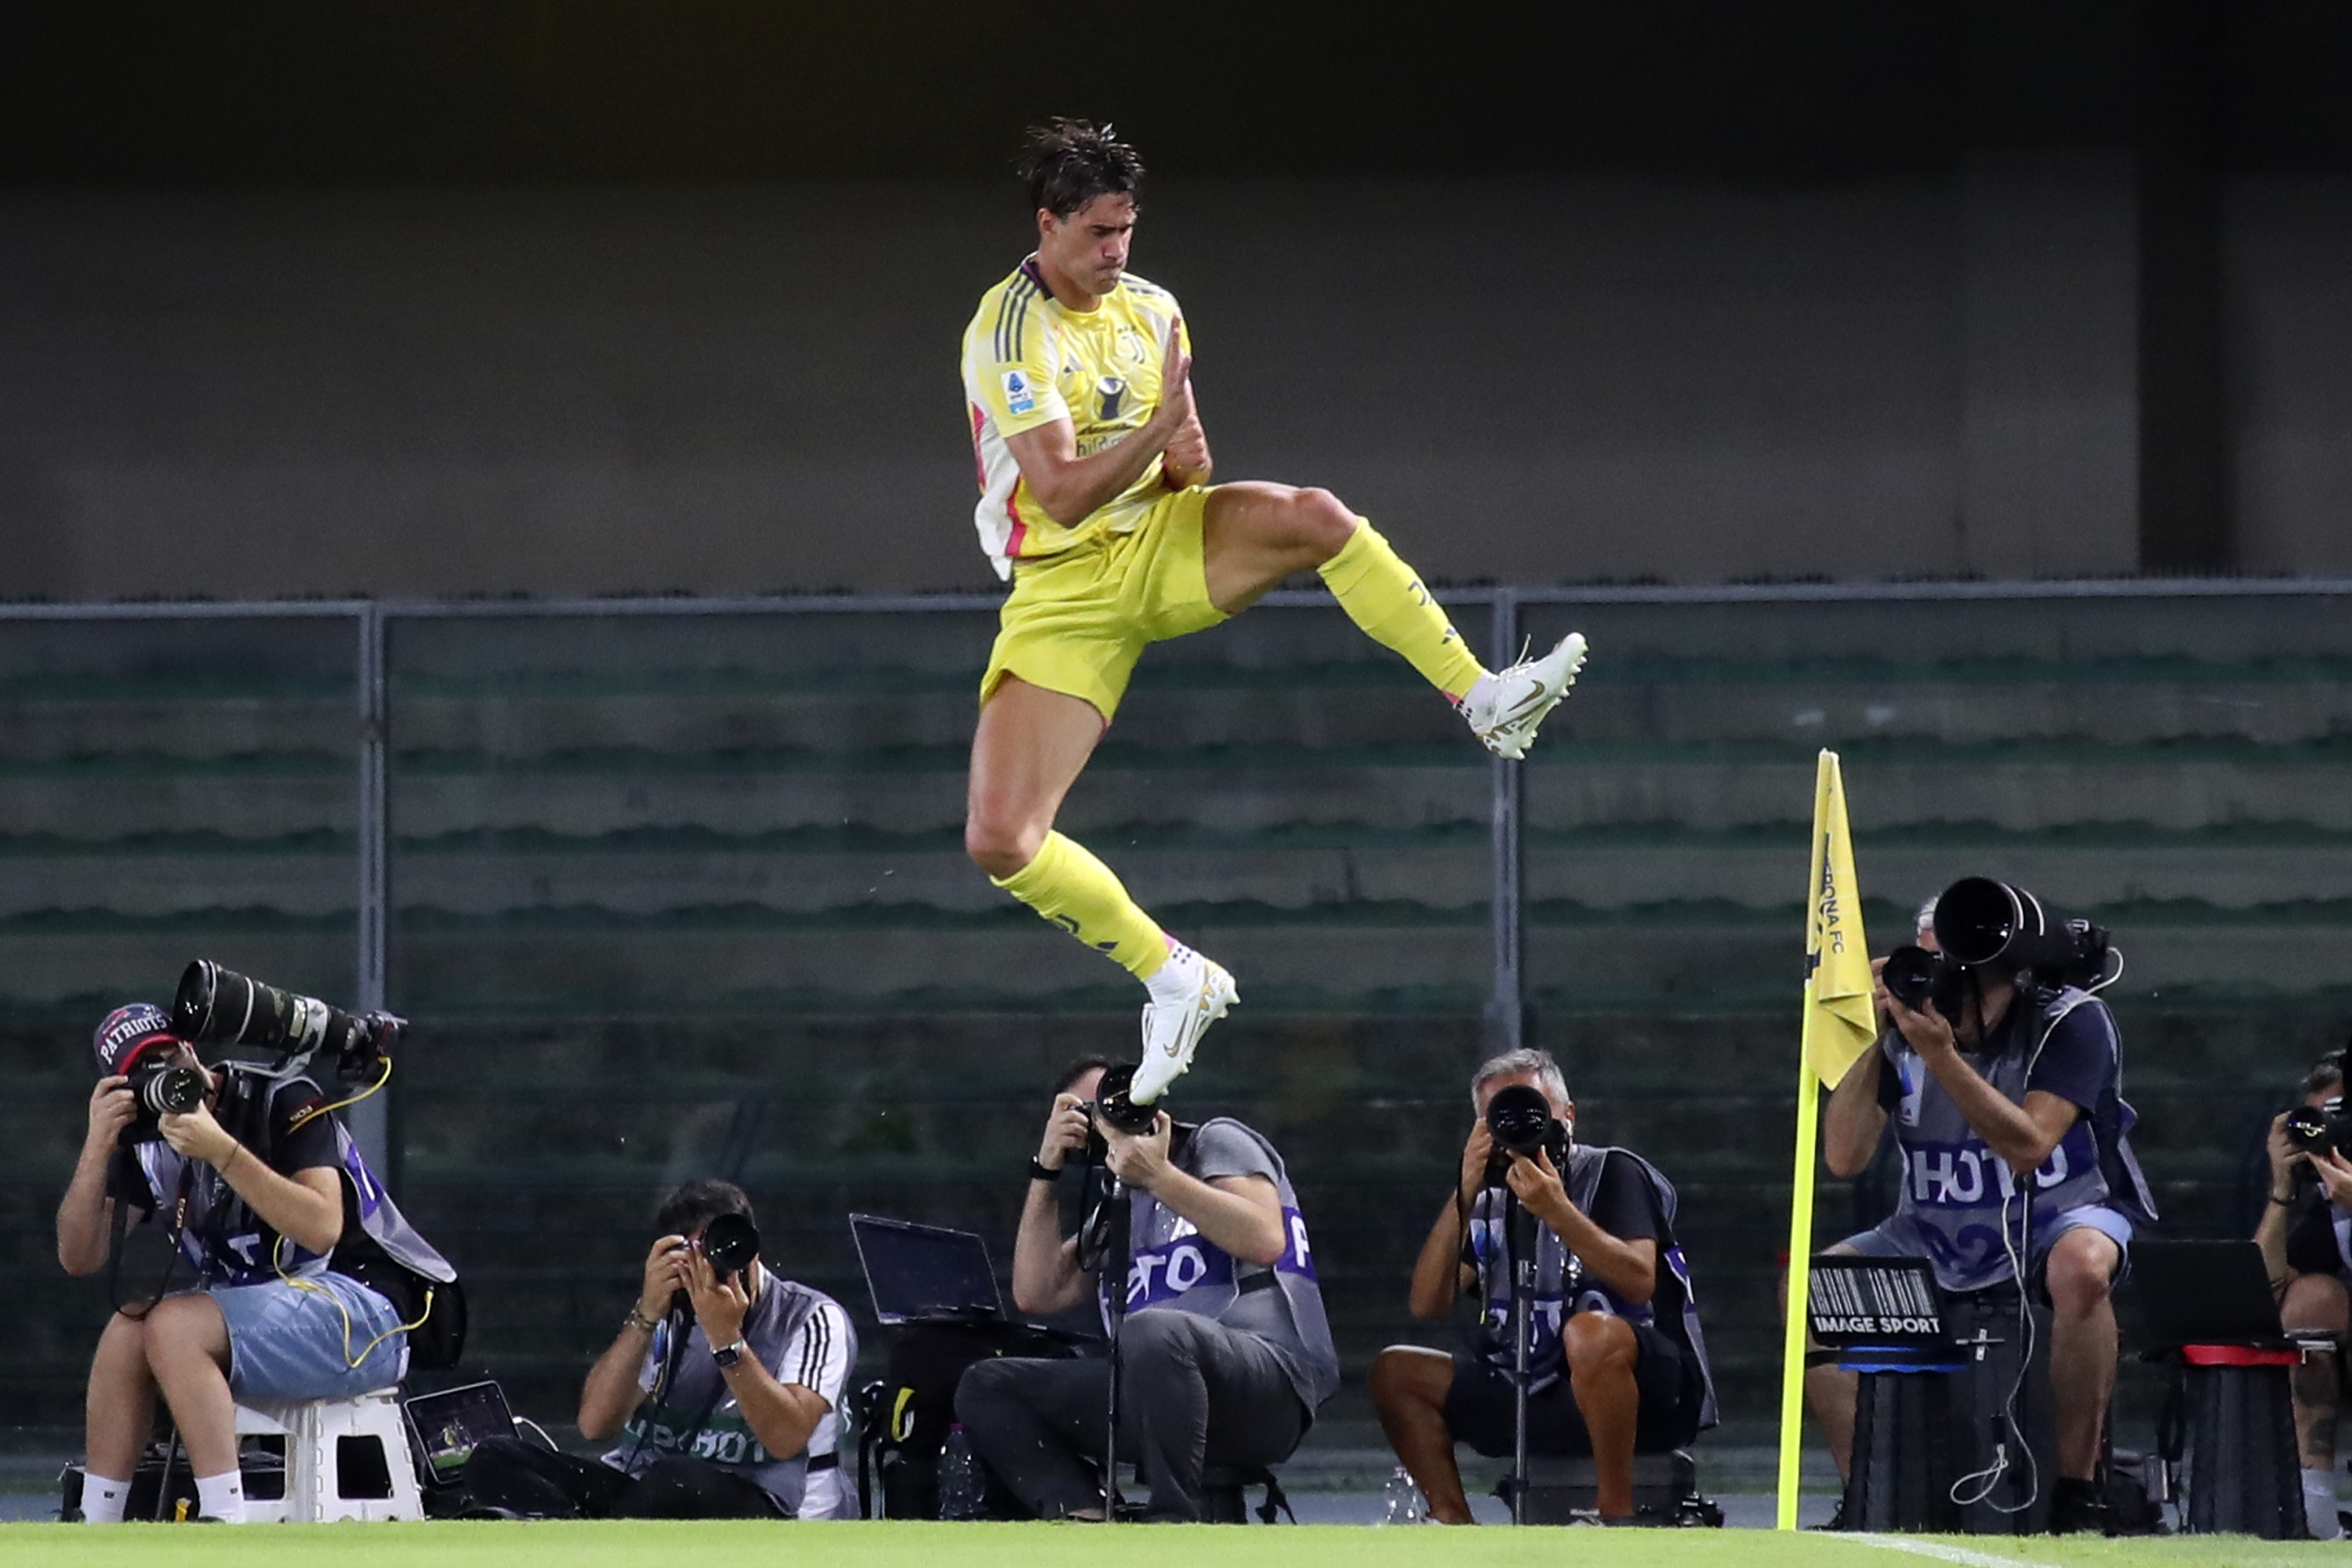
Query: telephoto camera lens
pixel 1979 920
pixel 730 1242
pixel 1115 1109
pixel 219 1006
pixel 1518 1119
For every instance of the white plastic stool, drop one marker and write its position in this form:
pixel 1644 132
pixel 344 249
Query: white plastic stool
pixel 345 1458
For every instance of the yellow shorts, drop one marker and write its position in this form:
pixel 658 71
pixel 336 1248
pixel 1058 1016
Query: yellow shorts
pixel 1077 622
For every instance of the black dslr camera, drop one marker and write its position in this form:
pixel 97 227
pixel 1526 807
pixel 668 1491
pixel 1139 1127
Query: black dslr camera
pixel 1981 921
pixel 218 1006
pixel 1113 1108
pixel 1519 1120
pixel 2315 1128
pixel 1102 1219
pixel 730 1242
pixel 159 1090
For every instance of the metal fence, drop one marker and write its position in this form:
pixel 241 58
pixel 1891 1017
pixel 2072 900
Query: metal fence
pixel 370 622
pixel 608 860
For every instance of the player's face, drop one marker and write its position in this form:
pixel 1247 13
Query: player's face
pixel 1089 246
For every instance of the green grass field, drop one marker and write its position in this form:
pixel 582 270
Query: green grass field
pixel 900 1545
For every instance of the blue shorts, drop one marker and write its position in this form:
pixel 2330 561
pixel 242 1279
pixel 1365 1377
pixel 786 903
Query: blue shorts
pixel 1899 1236
pixel 287 1340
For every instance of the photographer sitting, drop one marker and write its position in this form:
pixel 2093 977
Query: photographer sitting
pixel 1224 1355
pixel 258 1207
pixel 2305 1235
pixel 1616 1363
pixel 2001 1071
pixel 728 1379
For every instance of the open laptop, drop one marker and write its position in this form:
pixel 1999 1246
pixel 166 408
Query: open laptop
pixel 447 1426
pixel 2205 1293
pixel 925 1273
pixel 1876 1303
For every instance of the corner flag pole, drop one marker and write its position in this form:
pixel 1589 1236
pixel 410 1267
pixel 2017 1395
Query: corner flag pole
pixel 1800 1253
pixel 1839 1026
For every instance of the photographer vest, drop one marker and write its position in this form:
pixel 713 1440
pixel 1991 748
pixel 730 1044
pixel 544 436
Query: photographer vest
pixel 228 1242
pixel 1954 1188
pixel 1171 1267
pixel 694 1414
pixel 1563 1288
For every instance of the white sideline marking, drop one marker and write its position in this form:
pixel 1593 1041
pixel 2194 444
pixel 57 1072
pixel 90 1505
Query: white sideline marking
pixel 1961 1554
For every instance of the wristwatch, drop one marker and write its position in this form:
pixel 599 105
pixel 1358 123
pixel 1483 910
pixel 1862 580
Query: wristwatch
pixel 726 1355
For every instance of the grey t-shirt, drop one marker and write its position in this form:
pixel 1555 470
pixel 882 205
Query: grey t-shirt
pixel 802 1336
pixel 1173 1267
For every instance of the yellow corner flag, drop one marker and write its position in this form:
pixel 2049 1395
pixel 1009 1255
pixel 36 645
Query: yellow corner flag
pixel 1839 1023
pixel 1839 1026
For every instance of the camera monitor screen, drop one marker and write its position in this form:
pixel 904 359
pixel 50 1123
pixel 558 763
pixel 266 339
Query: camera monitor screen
pixel 447 1425
pixel 924 1273
pixel 1876 1303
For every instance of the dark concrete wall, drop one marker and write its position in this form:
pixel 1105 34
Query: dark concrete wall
pixel 2288 334
pixel 739 389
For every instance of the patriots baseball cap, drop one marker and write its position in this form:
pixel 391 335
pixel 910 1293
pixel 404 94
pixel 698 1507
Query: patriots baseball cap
pixel 128 1031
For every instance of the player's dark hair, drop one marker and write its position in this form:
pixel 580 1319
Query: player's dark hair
pixel 697 1202
pixel 1069 162
pixel 1077 1069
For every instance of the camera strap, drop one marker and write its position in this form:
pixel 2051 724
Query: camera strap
pixel 138 1311
pixel 680 1325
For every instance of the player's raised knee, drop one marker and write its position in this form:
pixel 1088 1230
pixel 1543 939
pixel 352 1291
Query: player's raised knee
pixel 1321 523
pixel 997 847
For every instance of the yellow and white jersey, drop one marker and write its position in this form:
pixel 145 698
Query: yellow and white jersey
pixel 1027 362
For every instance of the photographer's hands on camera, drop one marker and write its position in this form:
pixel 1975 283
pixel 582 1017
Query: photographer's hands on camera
pixel 2022 1135
pixel 1628 1268
pixel 720 1301
pixel 1926 1031
pixel 1066 1132
pixel 1138 1159
pixel 112 1107
pixel 195 1133
pixel 2333 1172
pixel 1534 1182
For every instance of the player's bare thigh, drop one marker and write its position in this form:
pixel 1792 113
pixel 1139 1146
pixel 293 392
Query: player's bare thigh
pixel 1029 748
pixel 1253 535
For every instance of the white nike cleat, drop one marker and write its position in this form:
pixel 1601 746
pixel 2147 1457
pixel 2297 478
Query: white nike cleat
pixel 1505 707
pixel 1173 1029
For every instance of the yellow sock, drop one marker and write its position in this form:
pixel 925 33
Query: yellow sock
pixel 1381 595
pixel 1077 892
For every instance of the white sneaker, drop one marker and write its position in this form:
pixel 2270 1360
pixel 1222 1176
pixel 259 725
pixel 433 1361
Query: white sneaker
pixel 1171 1028
pixel 1505 707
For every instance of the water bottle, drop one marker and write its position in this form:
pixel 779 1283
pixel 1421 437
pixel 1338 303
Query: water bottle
pixel 1401 1500
pixel 964 1491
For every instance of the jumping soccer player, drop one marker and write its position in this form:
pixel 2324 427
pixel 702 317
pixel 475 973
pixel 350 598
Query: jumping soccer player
pixel 1096 500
